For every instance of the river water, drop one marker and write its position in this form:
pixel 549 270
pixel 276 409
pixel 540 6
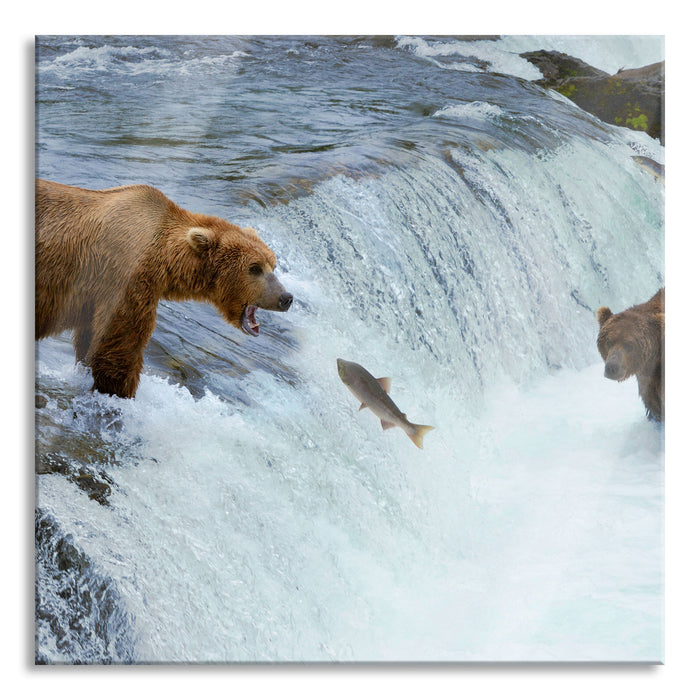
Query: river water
pixel 441 220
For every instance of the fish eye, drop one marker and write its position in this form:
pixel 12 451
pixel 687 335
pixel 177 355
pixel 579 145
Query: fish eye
pixel 255 269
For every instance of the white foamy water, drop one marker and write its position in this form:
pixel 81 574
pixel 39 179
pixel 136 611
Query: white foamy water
pixel 473 110
pixel 609 53
pixel 606 52
pixel 471 56
pixel 293 528
pixel 303 531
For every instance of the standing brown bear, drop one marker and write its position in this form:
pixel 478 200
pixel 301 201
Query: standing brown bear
pixel 104 259
pixel 632 342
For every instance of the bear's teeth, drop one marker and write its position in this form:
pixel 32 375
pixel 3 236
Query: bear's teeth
pixel 249 322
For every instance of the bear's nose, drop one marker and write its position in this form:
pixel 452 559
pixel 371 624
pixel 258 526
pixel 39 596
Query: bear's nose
pixel 612 370
pixel 285 301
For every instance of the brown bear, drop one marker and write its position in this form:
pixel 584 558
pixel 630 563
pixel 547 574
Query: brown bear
pixel 104 259
pixel 632 342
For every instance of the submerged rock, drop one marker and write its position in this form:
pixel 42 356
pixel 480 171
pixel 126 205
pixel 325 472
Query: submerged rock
pixel 633 98
pixel 92 481
pixel 79 614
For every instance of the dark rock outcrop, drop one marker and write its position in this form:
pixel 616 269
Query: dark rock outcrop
pixel 79 614
pixel 633 98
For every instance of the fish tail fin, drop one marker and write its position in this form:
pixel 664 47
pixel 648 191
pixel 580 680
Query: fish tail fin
pixel 417 433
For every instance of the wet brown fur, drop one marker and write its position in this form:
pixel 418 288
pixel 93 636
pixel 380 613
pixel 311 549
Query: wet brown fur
pixel 632 343
pixel 104 259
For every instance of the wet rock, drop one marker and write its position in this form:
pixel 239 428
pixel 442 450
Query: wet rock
pixel 79 614
pixel 557 67
pixel 632 98
pixel 94 482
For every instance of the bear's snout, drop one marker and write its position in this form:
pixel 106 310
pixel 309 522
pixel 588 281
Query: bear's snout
pixel 274 296
pixel 285 301
pixel 614 368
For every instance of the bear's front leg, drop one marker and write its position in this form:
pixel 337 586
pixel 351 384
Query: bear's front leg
pixel 119 381
pixel 117 360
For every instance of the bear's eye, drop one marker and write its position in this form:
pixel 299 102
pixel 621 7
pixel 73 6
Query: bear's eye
pixel 255 269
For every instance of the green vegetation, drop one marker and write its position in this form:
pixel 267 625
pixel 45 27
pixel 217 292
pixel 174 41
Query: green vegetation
pixel 636 119
pixel 567 90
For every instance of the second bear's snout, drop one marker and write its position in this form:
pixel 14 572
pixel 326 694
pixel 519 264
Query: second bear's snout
pixel 285 301
pixel 613 368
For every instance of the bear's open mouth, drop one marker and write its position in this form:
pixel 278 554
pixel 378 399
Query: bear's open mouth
pixel 249 324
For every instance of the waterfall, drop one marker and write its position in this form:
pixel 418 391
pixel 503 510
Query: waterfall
pixel 458 240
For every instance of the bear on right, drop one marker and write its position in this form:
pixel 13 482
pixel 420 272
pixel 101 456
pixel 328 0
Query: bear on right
pixel 632 343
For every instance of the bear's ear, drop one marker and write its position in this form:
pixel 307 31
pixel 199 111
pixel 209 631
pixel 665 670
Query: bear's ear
pixel 200 239
pixel 603 314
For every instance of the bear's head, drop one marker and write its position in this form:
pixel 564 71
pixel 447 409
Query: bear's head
pixel 628 342
pixel 239 268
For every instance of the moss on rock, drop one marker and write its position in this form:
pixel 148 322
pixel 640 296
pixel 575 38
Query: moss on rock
pixel 631 98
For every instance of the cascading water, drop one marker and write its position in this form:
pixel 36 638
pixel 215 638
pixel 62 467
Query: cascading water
pixel 458 240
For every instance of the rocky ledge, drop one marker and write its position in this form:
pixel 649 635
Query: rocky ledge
pixel 633 98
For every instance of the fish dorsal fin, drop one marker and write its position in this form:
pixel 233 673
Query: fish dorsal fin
pixel 362 405
pixel 385 383
pixel 387 424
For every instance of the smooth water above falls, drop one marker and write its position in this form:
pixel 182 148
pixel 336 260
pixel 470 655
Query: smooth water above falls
pixel 457 239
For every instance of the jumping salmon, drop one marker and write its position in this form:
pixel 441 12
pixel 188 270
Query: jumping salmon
pixel 373 394
pixel 652 167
